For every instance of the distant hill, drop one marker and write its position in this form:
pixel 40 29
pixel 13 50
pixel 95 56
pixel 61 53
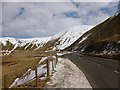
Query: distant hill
pixel 59 41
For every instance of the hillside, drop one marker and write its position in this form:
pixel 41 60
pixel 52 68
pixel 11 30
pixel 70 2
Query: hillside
pixel 59 41
pixel 103 39
pixel 11 44
pixel 65 39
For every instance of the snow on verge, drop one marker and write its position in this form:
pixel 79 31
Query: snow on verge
pixel 68 75
pixel 29 75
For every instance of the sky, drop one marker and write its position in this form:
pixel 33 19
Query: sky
pixel 44 19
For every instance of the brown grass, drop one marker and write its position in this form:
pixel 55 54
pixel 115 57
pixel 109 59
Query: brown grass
pixel 17 63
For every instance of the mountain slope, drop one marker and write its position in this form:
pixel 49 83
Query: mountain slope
pixel 10 44
pixel 103 39
pixel 59 41
pixel 70 36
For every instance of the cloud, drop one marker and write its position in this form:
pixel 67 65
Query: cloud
pixel 72 14
pixel 41 19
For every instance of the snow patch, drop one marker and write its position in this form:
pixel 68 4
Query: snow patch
pixel 29 75
pixel 43 59
pixel 68 75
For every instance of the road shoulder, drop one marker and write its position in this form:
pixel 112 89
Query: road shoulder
pixel 68 75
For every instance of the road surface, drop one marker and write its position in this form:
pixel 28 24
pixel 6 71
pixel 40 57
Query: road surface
pixel 100 72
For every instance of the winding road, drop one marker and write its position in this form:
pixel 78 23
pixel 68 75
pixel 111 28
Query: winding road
pixel 100 72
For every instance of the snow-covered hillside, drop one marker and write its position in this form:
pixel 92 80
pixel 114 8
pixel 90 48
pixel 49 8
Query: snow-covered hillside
pixel 12 44
pixel 23 42
pixel 70 35
pixel 64 40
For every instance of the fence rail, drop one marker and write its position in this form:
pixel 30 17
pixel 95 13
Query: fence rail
pixel 48 60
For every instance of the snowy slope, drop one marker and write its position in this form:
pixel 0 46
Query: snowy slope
pixel 11 40
pixel 38 42
pixel 64 39
pixel 23 42
pixel 20 43
pixel 71 35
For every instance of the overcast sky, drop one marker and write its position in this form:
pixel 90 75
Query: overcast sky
pixel 41 19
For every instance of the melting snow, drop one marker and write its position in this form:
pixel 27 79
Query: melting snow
pixel 29 75
pixel 43 59
pixel 68 75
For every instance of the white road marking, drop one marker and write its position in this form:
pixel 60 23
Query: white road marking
pixel 116 71
pixel 96 63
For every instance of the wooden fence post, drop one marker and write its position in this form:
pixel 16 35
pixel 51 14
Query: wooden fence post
pixel 56 58
pixel 52 65
pixel 36 75
pixel 48 71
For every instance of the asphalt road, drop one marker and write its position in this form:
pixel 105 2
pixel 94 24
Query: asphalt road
pixel 100 72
